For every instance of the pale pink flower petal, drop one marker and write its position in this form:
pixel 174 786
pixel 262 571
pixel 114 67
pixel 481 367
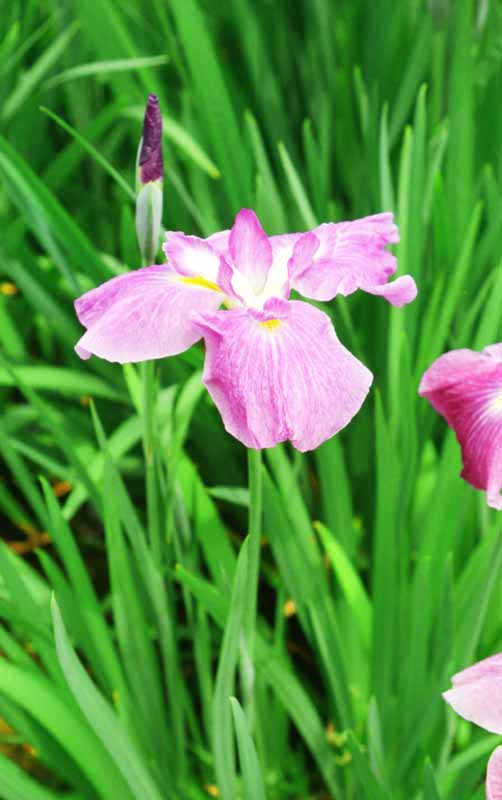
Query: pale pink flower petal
pixel 494 776
pixel 351 256
pixel 141 315
pixel 466 388
pixel 280 374
pixel 488 667
pixel 219 242
pixel 399 292
pixel 250 249
pixel 190 255
pixel 477 694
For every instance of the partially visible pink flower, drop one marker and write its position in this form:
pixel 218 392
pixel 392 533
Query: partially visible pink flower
pixel 465 387
pixel 477 693
pixel 274 367
pixel 494 776
pixel 477 696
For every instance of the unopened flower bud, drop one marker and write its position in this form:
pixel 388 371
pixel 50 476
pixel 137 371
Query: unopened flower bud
pixel 150 172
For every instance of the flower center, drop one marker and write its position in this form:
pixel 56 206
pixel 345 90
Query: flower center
pixel 271 324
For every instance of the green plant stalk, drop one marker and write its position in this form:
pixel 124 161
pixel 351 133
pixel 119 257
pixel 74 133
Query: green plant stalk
pixel 152 487
pixel 254 539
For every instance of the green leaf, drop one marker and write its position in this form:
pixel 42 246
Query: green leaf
pixel 252 780
pixel 101 717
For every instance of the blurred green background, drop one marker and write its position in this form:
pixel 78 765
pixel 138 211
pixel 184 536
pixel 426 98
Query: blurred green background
pixel 380 570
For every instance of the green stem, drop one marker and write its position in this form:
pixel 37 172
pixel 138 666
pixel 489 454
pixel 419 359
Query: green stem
pixel 152 488
pixel 254 543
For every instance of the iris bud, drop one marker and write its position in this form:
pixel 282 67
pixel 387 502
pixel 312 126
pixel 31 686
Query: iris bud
pixel 150 173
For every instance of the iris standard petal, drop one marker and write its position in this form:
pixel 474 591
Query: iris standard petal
pixel 351 256
pixel 280 374
pixel 466 389
pixel 250 249
pixel 190 255
pixel 494 776
pixel 141 315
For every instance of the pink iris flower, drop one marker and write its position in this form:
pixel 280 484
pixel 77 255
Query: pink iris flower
pixel 274 366
pixel 466 388
pixel 477 696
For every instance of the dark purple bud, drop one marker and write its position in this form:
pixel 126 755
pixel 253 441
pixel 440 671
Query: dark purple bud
pixel 150 163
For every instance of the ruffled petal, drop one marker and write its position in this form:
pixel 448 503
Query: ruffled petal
pixel 494 776
pixel 190 255
pixel 141 315
pixel 399 292
pixel 466 389
pixel 280 374
pixel 351 256
pixel 250 249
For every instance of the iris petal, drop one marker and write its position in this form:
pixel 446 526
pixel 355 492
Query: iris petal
pixel 466 389
pixel 141 315
pixel 494 776
pixel 351 256
pixel 281 374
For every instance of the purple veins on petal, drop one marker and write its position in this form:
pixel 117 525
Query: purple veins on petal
pixel 281 373
pixel 150 162
pixel 465 387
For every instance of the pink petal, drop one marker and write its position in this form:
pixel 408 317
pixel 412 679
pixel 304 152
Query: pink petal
pixel 477 693
pixel 141 315
pixel 479 702
pixel 280 374
pixel 494 776
pixel 226 277
pixel 250 248
pixel 494 350
pixel 190 255
pixel 488 667
pixel 305 248
pixel 398 292
pixel 466 388
pixel 353 255
pixel 219 242
pixel 283 247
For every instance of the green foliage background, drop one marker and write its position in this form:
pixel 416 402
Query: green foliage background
pixel 307 111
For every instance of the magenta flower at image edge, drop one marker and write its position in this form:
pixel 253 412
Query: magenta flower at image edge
pixel 465 387
pixel 477 696
pixel 274 367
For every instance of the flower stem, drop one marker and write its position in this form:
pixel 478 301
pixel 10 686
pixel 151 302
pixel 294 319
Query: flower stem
pixel 254 537
pixel 149 447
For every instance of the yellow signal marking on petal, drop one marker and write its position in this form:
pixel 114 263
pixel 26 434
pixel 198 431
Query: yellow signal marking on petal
pixel 270 324
pixel 203 283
